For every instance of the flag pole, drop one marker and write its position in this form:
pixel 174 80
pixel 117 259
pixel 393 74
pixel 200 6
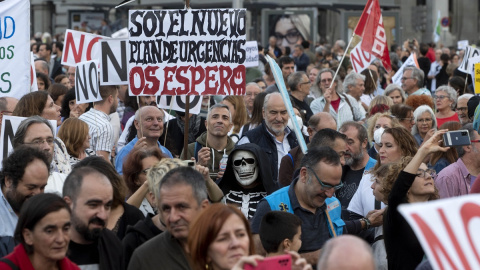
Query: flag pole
pixel 341 60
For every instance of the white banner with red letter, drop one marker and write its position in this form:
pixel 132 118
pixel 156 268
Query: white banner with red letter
pixel 370 28
pixel 14 48
pixel 80 47
pixel 187 52
pixel 360 59
pixel 448 230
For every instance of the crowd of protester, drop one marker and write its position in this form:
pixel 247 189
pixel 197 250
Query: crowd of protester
pixel 112 185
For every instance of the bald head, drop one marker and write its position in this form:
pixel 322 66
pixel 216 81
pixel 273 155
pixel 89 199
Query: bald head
pixel 41 67
pixel 346 252
pixel 320 121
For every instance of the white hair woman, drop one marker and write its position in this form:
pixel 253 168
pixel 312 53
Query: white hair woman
pixel 425 124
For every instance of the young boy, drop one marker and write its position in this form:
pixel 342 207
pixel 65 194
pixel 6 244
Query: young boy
pixel 280 232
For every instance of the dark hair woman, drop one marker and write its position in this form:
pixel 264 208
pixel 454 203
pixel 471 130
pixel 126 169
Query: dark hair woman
pixel 43 234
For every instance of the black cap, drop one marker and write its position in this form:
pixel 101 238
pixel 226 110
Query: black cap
pixel 472 105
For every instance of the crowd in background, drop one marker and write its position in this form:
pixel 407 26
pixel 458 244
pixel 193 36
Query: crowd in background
pixel 126 199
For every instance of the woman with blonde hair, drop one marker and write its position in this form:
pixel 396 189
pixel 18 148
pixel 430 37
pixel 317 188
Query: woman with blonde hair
pixel 377 121
pixel 74 133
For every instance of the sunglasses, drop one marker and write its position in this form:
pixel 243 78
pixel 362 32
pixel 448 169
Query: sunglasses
pixel 325 186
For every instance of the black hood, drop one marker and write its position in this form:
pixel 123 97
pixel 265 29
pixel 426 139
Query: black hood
pixel 229 182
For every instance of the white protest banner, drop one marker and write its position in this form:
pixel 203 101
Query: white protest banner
pixel 177 103
pixel 448 231
pixel 251 47
pixel 33 77
pixel 80 47
pixel 411 61
pixel 113 62
pixel 86 82
pixel 9 128
pixel 360 59
pixel 462 44
pixel 469 53
pixel 14 48
pixel 277 74
pixel 187 52
pixel 471 63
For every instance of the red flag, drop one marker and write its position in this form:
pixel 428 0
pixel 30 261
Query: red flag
pixel 363 19
pixel 370 28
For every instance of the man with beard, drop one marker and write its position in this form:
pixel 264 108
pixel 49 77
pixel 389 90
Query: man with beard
pixel 98 120
pixel 462 108
pixel 24 174
pixel 210 147
pixel 89 194
pixel 357 160
pixel 273 135
pixel 149 125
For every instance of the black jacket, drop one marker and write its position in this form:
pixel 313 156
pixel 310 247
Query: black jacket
pixel 138 234
pixel 261 137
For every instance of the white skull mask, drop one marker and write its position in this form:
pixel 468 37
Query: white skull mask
pixel 245 167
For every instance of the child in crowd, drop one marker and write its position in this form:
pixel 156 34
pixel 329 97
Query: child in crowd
pixel 280 232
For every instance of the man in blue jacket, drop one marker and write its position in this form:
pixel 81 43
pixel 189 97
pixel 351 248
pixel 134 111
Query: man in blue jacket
pixel 310 198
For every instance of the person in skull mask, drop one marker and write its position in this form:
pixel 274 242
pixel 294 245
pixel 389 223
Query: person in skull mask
pixel 246 180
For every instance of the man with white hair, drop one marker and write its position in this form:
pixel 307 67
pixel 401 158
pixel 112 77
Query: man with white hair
pixel 354 85
pixel 273 135
pixel 413 81
pixel 462 108
pixel 342 107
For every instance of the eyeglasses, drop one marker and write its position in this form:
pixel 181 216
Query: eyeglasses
pixel 411 119
pixel 405 78
pixel 426 120
pixel 292 36
pixel 329 80
pixel 461 109
pixel 439 97
pixel 325 186
pixel 239 162
pixel 426 173
pixel 305 83
pixel 49 141
pixel 70 74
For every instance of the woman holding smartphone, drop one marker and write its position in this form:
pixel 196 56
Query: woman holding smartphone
pixel 414 184
pixel 221 239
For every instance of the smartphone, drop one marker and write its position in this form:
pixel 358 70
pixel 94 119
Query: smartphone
pixel 456 138
pixel 281 262
pixel 189 163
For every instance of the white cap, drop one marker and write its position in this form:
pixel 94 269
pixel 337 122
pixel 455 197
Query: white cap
pixel 377 135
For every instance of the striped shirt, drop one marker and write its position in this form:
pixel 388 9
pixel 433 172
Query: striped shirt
pixel 99 129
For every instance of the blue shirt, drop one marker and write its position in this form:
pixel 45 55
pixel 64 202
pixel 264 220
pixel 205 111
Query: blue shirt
pixel 8 222
pixel 128 148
